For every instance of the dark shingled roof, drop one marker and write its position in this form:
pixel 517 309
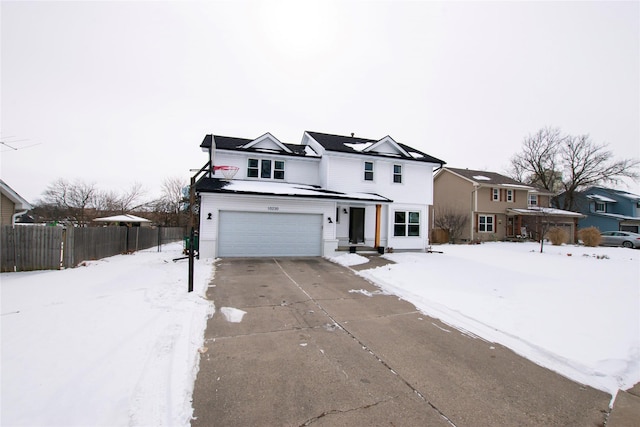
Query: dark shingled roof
pixel 494 178
pixel 233 143
pixel 337 143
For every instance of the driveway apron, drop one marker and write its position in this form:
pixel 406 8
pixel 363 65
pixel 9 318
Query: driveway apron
pixel 319 345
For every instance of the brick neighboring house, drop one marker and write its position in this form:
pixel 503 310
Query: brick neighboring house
pixel 607 209
pixel 12 205
pixel 497 206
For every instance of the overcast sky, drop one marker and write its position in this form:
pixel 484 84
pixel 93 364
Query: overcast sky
pixel 123 92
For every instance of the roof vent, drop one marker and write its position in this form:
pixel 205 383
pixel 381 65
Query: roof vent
pixel 352 134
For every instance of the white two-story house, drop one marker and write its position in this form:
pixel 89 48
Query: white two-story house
pixel 311 199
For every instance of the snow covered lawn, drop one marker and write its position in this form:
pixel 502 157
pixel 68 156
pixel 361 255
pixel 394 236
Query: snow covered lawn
pixel 116 342
pixel 575 310
pixel 113 343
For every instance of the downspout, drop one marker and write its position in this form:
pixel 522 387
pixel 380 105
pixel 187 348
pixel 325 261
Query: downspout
pixel 474 208
pixel 15 216
pixel 15 249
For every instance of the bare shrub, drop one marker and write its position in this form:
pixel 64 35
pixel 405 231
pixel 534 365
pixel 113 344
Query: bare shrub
pixel 590 236
pixel 557 236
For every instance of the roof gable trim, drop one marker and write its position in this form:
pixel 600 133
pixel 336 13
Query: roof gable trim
pixel 267 142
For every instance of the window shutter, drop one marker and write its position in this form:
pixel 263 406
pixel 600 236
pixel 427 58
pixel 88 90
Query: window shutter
pixel 501 191
pixel 476 227
pixel 490 198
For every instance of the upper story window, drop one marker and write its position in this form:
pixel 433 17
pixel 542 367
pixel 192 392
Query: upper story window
pixel 533 200
pixel 600 207
pixel 368 171
pixel 265 169
pixel 509 195
pixel 406 223
pixel 495 194
pixel 397 174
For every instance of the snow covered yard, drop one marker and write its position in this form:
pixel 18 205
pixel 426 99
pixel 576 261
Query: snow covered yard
pixel 573 309
pixel 112 343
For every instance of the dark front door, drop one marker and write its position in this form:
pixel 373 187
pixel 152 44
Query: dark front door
pixel 356 225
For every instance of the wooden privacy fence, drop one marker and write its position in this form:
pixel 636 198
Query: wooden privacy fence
pixel 28 248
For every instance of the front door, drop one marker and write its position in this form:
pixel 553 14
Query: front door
pixel 510 226
pixel 356 225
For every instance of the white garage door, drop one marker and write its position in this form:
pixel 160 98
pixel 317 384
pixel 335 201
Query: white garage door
pixel 253 234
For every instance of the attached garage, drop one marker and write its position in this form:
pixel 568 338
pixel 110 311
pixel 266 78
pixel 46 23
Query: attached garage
pixel 259 234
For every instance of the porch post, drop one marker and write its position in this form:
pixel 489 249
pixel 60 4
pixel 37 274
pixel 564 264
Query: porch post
pixel 377 239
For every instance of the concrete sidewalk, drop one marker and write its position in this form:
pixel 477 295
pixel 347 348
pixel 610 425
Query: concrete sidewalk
pixel 318 346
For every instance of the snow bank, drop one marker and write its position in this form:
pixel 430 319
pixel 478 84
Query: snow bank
pixel 113 343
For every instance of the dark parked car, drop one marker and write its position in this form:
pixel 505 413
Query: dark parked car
pixel 620 238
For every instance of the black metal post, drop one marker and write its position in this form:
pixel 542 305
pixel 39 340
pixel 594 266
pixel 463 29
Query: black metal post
pixel 191 250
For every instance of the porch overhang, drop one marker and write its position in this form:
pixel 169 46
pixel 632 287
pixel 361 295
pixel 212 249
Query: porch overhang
pixel 545 212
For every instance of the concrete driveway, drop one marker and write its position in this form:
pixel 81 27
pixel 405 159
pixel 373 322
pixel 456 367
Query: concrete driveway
pixel 319 346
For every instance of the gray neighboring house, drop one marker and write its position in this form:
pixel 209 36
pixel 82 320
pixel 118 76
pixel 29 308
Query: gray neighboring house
pixel 607 209
pixel 12 205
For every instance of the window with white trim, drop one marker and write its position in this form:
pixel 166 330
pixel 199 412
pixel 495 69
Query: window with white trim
pixel 533 200
pixel 601 207
pixel 368 171
pixel 265 169
pixel 397 174
pixel 486 223
pixel 406 224
pixel 509 195
pixel 495 192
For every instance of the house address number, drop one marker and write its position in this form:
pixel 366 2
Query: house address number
pixel 273 208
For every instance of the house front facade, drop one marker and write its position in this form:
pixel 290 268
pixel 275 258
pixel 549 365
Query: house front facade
pixel 327 193
pixel 608 209
pixel 497 207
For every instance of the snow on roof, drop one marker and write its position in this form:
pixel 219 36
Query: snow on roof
pixel 546 211
pixel 283 189
pixel 416 155
pixel 601 198
pixel 359 146
pixel 122 218
pixel 481 178
pixel 528 187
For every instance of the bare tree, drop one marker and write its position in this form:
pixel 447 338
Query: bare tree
pixel 587 163
pixel 170 205
pixel 537 163
pixel 558 162
pixel 74 198
pixel 452 220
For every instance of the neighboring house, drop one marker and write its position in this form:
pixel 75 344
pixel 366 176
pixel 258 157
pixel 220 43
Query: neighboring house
pixel 311 199
pixel 607 209
pixel 497 207
pixel 12 205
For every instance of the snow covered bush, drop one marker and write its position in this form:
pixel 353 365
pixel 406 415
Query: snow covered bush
pixel 590 236
pixel 557 236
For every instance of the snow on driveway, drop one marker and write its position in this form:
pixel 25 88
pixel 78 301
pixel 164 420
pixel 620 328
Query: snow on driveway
pixel 575 310
pixel 112 343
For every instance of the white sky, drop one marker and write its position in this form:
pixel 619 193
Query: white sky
pixel 122 92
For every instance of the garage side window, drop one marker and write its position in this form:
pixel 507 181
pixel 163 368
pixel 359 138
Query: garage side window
pixel 406 224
